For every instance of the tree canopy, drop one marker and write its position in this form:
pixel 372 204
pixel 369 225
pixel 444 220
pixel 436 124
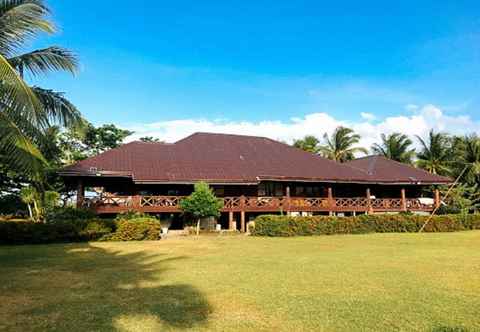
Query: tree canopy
pixel 395 146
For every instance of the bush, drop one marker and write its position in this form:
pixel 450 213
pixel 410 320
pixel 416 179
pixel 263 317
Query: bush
pixel 137 229
pixel 274 225
pixel 68 215
pixel 130 215
pixel 28 232
pixel 12 205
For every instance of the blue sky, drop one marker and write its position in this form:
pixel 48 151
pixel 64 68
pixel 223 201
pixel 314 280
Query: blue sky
pixel 167 68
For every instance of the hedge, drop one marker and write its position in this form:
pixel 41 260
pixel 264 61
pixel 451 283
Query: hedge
pixel 135 229
pixel 274 225
pixel 28 232
pixel 77 225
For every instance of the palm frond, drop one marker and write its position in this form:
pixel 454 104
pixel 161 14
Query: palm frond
pixel 45 60
pixel 58 109
pixel 16 95
pixel 21 20
pixel 18 150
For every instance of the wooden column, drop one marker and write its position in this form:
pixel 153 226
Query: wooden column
pixel 404 199
pixel 80 193
pixel 331 202
pixel 242 221
pixel 137 203
pixel 230 220
pixel 242 213
pixel 437 198
pixel 369 201
pixel 287 200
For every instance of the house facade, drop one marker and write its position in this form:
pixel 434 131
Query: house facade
pixel 253 175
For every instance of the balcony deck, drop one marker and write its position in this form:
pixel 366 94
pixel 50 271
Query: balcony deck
pixel 170 204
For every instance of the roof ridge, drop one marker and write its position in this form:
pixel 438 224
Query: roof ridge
pixel 221 134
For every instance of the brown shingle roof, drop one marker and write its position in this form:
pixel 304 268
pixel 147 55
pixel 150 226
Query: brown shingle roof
pixel 383 170
pixel 216 158
pixel 221 158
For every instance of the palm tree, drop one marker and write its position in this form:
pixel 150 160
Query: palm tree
pixel 470 158
pixel 395 146
pixel 435 155
pixel 309 143
pixel 27 112
pixel 340 146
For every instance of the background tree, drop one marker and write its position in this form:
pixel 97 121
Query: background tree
pixel 309 143
pixel 341 145
pixel 150 139
pixel 201 203
pixel 469 147
pixel 90 141
pixel 395 146
pixel 27 112
pixel 435 155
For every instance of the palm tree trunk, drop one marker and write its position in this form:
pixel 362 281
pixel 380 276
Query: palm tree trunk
pixel 198 226
pixel 30 211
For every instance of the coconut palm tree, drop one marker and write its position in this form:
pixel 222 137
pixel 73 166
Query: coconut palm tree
pixel 470 158
pixel 395 146
pixel 341 145
pixel 309 143
pixel 435 155
pixel 26 112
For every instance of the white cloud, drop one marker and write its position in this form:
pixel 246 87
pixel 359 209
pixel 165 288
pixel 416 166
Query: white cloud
pixel 425 118
pixel 411 107
pixel 368 116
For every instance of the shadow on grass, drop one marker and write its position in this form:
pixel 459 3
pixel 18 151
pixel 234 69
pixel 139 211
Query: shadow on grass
pixel 449 329
pixel 83 287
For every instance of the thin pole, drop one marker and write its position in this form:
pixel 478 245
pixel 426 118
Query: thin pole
pixel 446 195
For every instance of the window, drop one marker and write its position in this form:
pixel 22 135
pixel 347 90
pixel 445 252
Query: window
pixel 270 189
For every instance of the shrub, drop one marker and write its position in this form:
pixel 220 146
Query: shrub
pixel 273 225
pixel 12 205
pixel 68 215
pixel 144 228
pixel 28 232
pixel 131 214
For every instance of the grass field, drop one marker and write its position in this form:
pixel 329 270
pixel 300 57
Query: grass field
pixel 389 282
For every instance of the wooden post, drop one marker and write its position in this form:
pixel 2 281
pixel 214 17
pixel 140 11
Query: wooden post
pixel 369 201
pixel 230 220
pixel 287 201
pixel 242 221
pixel 331 202
pixel 437 198
pixel 404 200
pixel 80 193
pixel 137 203
pixel 242 213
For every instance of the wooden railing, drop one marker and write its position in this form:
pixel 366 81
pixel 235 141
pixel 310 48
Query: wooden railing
pixel 157 204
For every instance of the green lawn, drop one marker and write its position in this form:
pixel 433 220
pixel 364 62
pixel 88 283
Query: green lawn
pixel 389 282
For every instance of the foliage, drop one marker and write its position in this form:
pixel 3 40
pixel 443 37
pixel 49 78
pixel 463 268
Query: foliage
pixel 38 203
pixel 137 229
pixel 68 215
pixel 274 225
pixel 470 158
pixel 12 205
pixel 28 232
pixel 129 215
pixel 90 141
pixel 309 143
pixel 201 203
pixel 395 146
pixel 435 155
pixel 341 145
pixel 461 199
pixel 150 139
pixel 27 112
